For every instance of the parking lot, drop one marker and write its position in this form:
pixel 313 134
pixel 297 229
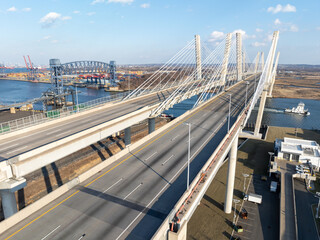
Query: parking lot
pixel 263 219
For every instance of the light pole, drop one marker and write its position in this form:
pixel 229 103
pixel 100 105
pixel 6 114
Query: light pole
pixel 245 175
pixel 229 113
pixel 247 83
pixel 236 201
pixel 77 99
pixel 188 171
pixel 318 196
pixel 270 154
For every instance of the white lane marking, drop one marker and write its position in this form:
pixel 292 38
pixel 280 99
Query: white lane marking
pixel 9 146
pixel 175 137
pixel 204 114
pixel 165 186
pixel 150 156
pixel 167 160
pixel 60 134
pixel 81 236
pixel 53 131
pixel 50 233
pixel 17 150
pixel 205 142
pixel 133 191
pixel 113 185
pixel 190 139
pixel 204 125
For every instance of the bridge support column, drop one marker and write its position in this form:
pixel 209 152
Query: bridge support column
pixel 239 56
pixel 7 193
pixel 256 63
pixel 260 112
pixel 225 59
pixel 273 77
pixel 151 125
pixel 231 176
pixel 198 57
pixel 127 136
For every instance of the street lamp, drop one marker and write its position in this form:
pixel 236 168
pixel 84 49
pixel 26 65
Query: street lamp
pixel 236 201
pixel 270 154
pixel 247 83
pixel 188 171
pixel 77 99
pixel 229 112
pixel 318 196
pixel 245 175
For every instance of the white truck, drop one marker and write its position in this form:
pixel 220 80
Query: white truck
pixel 255 198
pixel 273 186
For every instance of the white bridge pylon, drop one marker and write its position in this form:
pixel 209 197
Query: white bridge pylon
pixel 197 70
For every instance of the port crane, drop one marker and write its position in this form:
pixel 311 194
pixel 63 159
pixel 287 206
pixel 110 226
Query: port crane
pixel 32 74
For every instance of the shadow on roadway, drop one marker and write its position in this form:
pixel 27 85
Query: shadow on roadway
pixel 125 203
pixel 150 168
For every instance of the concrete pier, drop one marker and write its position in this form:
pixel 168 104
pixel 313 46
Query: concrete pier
pixel 231 176
pixel 7 193
pixel 151 125
pixel 127 136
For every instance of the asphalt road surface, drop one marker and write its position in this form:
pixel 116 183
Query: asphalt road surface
pixel 306 226
pixel 11 147
pixel 131 198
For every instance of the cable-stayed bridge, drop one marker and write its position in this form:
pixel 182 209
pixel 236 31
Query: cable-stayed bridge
pixel 139 186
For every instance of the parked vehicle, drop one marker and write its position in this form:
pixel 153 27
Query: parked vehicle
pixel 273 186
pixel 255 198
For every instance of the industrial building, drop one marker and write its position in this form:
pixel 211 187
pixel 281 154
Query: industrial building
pixel 299 150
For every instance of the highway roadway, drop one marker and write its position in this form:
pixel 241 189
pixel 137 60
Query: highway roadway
pixel 11 147
pixel 130 198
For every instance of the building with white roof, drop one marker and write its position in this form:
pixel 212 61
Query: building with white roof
pixel 299 150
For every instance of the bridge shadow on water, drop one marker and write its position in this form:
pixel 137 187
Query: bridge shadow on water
pixel 149 224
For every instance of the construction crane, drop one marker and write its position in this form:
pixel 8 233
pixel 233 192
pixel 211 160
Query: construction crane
pixel 32 74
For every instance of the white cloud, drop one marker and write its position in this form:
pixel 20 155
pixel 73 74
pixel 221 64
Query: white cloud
pixel 259 30
pixel 97 1
pixel 76 12
pixel 121 1
pixel 243 34
pixel 280 8
pixel 49 19
pixel 12 9
pixel 318 28
pixel 258 44
pixel 216 36
pixel 66 18
pixel 54 41
pixel 277 22
pixel 145 5
pixel 46 37
pixel 270 37
pixel 26 9
pixel 91 13
pixel 294 28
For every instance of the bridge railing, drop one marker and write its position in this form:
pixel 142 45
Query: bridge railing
pixel 47 116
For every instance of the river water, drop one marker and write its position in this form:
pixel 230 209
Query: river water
pixel 18 91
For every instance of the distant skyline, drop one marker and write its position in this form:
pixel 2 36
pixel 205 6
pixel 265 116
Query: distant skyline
pixel 148 32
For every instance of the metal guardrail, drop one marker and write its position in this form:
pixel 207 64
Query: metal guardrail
pixel 21 123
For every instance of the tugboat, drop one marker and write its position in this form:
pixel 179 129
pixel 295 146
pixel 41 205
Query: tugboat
pixel 298 110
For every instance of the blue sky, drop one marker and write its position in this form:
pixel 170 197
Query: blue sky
pixel 142 31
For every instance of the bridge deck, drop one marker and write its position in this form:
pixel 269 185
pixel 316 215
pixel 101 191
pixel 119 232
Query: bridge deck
pixel 131 197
